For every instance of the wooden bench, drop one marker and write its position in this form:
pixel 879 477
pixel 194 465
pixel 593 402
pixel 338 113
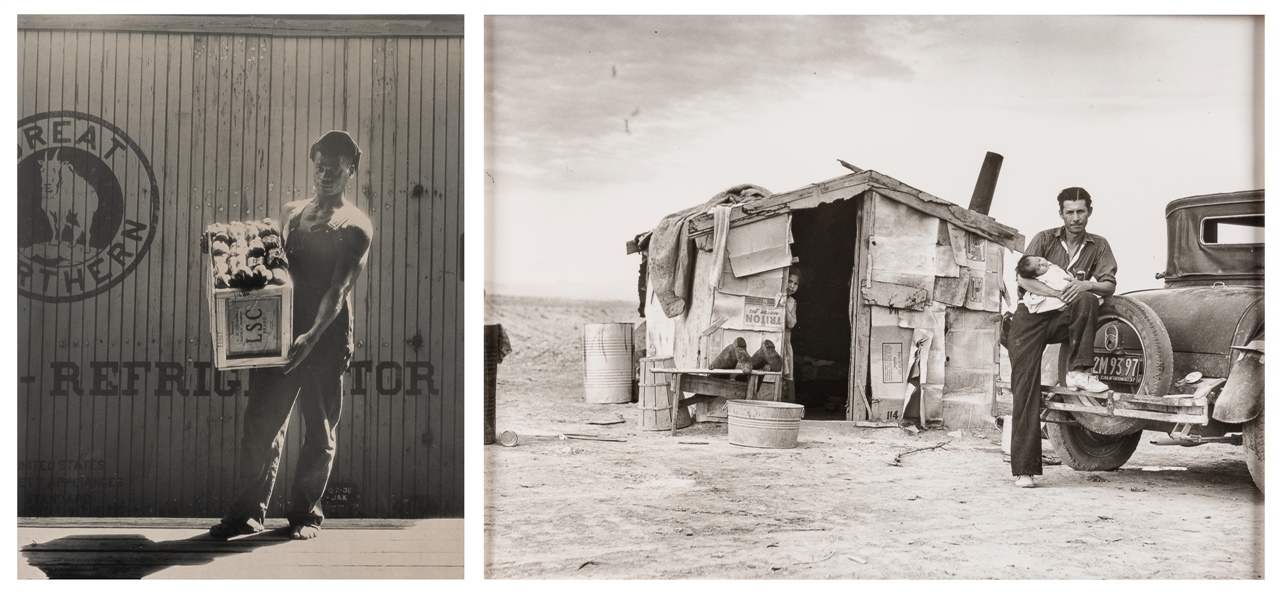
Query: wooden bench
pixel 713 383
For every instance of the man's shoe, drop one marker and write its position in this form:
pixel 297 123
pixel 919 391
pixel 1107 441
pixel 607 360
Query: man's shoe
pixel 733 356
pixel 767 358
pixel 1024 481
pixel 743 360
pixel 1085 381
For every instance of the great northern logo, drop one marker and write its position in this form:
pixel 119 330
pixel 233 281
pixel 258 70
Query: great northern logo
pixel 87 206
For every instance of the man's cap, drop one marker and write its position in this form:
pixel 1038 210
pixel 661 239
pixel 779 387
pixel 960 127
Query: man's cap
pixel 1074 194
pixel 337 142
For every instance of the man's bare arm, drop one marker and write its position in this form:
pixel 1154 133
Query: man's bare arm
pixel 346 272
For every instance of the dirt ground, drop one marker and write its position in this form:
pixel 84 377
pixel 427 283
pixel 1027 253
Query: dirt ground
pixel 847 502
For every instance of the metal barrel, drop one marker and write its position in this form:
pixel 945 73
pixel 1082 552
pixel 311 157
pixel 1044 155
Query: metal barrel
pixel 607 363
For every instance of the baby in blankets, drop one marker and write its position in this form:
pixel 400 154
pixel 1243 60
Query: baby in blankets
pixel 1036 267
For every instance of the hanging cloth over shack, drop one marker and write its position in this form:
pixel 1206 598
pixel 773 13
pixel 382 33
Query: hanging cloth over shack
pixel 670 258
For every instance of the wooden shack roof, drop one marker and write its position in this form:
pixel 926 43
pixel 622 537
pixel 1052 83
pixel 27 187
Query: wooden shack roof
pixel 849 186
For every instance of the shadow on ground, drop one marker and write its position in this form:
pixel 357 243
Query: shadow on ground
pixel 135 556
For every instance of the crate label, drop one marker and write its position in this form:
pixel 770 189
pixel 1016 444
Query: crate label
pixel 892 362
pixel 253 327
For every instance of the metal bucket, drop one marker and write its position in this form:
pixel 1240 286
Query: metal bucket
pixel 607 363
pixel 654 405
pixel 764 424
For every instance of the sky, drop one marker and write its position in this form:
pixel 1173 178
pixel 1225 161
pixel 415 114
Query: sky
pixel 597 127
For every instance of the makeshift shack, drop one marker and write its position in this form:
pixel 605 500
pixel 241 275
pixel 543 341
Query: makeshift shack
pixel 900 299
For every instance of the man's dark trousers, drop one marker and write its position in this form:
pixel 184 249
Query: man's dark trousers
pixel 1074 326
pixel 317 385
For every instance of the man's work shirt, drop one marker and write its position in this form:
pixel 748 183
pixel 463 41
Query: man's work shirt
pixel 1094 256
pixel 313 260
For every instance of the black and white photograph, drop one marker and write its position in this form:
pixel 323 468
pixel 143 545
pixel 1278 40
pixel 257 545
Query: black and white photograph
pixel 240 297
pixel 874 297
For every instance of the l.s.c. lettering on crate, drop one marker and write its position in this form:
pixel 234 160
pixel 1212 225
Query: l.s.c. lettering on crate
pixel 251 327
pixel 164 379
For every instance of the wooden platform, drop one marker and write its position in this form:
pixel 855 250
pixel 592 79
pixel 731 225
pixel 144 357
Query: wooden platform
pixel 708 384
pixel 56 548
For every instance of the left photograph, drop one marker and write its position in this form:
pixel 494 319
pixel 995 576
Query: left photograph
pixel 240 297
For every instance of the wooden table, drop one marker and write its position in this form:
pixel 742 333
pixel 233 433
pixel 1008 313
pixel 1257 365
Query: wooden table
pixel 713 382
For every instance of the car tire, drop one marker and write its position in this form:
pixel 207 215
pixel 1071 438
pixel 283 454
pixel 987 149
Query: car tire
pixel 1159 362
pixel 1253 444
pixel 1085 450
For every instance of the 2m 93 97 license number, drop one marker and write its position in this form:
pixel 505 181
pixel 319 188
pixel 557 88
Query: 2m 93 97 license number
pixel 1119 368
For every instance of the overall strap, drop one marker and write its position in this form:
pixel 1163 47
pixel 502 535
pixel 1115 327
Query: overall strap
pixel 289 221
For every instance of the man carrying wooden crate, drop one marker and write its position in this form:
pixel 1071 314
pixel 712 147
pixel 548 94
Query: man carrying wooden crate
pixel 327 241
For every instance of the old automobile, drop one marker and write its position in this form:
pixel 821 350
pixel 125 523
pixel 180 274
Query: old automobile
pixel 1185 359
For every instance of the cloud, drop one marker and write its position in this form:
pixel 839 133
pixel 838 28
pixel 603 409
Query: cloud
pixel 561 87
pixel 1139 110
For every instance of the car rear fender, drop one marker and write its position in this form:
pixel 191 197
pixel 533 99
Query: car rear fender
pixel 1243 397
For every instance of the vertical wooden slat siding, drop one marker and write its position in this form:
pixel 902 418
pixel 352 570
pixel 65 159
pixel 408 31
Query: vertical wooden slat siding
pixel 106 306
pixel 446 276
pixel 225 121
pixel 144 446
pixel 36 403
pixel 54 326
pixel 453 371
pixel 385 172
pixel 415 469
pixel 435 470
pixel 74 315
pixel 28 424
pixel 396 444
pixel 162 412
pixel 203 57
pixel 361 421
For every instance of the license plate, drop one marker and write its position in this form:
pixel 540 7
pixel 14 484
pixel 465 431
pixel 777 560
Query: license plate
pixel 1119 368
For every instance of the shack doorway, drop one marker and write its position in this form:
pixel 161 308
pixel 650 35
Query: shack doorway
pixel 824 239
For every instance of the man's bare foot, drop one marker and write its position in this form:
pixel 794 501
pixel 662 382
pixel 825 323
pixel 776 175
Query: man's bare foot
pixel 226 530
pixel 304 532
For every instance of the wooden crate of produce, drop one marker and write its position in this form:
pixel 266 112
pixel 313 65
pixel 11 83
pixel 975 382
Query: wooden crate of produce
pixel 250 317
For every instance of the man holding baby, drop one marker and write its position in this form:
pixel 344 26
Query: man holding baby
pixel 1064 273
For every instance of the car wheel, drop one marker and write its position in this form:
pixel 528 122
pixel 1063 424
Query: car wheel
pixel 1126 330
pixel 1253 444
pixel 1085 450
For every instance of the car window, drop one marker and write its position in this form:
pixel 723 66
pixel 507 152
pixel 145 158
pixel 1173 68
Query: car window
pixel 1237 229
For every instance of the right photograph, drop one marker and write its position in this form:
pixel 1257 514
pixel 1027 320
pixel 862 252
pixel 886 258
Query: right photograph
pixel 874 297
